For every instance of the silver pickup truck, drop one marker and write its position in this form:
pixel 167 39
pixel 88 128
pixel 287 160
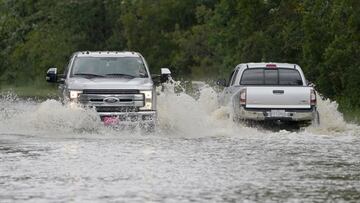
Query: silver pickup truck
pixel 270 91
pixel 117 84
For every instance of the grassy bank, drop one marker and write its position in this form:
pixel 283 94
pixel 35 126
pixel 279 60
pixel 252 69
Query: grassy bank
pixel 351 115
pixel 37 92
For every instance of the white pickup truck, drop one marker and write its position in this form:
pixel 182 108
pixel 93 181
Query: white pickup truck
pixel 118 85
pixel 270 91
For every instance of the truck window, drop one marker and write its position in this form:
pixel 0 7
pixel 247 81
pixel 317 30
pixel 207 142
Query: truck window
pixel 107 66
pixel 266 76
pixel 289 77
pixel 271 76
pixel 234 77
pixel 253 77
pixel 229 81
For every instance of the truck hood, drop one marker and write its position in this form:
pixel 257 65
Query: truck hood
pixel 109 83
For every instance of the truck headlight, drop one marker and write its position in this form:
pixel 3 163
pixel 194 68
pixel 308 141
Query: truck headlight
pixel 148 99
pixel 74 94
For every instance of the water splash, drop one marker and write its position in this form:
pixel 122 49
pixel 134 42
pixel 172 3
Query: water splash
pixel 48 117
pixel 183 115
pixel 331 120
pixel 179 115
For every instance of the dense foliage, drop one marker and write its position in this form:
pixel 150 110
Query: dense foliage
pixel 197 39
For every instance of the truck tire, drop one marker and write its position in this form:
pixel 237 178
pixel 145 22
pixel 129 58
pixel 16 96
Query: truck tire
pixel 316 119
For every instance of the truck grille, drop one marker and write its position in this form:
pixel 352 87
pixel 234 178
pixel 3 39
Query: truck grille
pixel 110 100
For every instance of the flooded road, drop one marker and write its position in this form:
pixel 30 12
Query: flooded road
pixel 52 153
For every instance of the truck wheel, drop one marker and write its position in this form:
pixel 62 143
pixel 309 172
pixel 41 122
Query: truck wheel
pixel 316 119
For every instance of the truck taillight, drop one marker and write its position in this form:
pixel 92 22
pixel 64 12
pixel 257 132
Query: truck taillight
pixel 243 97
pixel 313 98
pixel 271 66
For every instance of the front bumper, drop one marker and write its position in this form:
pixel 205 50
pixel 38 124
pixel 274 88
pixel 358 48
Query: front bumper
pixel 265 114
pixel 122 113
pixel 145 120
pixel 142 116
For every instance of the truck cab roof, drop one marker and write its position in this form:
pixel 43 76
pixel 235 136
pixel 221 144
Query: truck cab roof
pixel 241 68
pixel 107 54
pixel 265 64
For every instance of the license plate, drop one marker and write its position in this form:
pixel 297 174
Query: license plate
pixel 111 120
pixel 278 113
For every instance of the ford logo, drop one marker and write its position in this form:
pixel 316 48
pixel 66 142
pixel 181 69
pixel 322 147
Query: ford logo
pixel 111 100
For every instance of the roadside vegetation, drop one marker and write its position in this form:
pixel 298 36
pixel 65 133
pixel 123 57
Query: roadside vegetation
pixel 35 92
pixel 197 39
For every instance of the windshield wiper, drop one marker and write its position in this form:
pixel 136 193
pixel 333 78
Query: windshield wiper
pixel 120 75
pixel 88 74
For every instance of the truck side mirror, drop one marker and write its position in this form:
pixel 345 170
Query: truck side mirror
pixel 51 75
pixel 310 84
pixel 165 75
pixel 221 82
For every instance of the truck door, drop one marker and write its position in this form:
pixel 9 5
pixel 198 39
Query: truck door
pixel 230 89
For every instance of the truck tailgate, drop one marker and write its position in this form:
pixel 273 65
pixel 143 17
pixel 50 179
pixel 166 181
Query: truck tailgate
pixel 280 97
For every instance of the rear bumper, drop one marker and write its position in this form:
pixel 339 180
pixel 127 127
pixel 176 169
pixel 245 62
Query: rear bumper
pixel 265 114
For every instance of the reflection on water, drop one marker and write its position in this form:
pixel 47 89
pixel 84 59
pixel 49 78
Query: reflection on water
pixel 51 152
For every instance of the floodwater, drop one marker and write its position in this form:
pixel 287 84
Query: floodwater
pixel 54 153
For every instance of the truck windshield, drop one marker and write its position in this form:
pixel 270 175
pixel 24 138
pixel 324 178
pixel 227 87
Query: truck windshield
pixel 266 76
pixel 131 67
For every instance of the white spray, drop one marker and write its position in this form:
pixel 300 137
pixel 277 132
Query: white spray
pixel 179 115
